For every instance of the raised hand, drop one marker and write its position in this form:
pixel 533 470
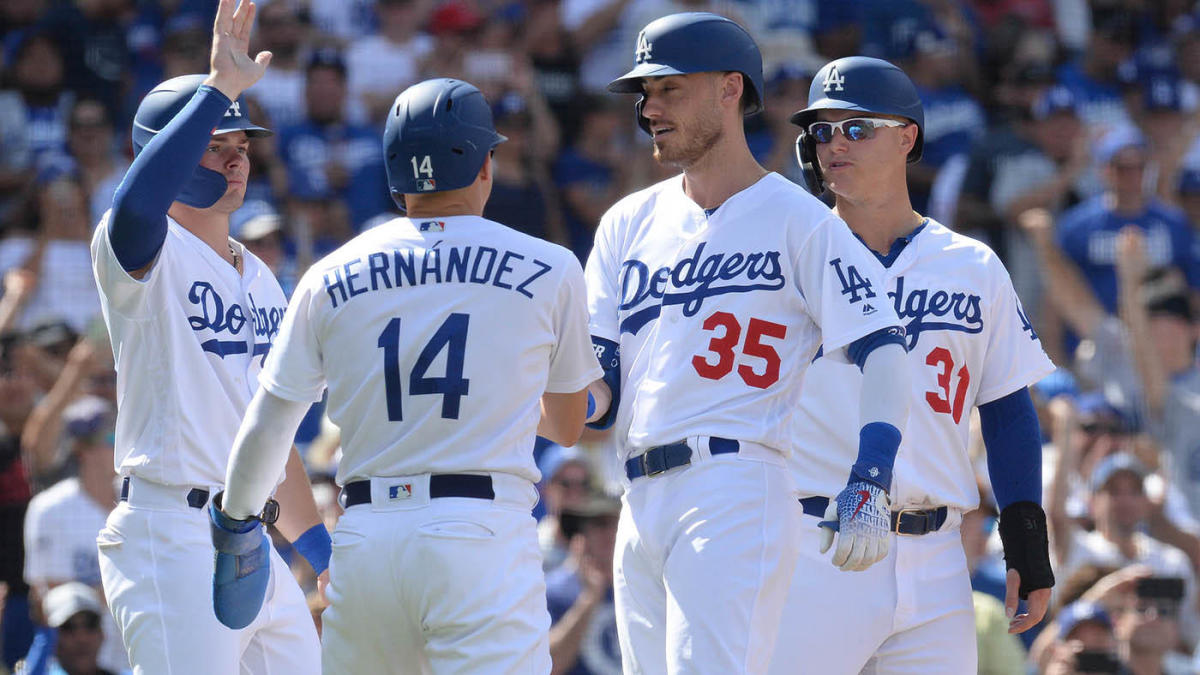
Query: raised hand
pixel 232 71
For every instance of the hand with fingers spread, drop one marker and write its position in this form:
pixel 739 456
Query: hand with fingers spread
pixel 232 69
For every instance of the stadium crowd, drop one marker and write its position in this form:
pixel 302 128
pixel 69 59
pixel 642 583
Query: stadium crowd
pixel 1063 133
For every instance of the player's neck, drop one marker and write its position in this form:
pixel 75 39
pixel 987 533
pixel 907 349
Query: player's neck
pixel 209 226
pixel 722 172
pixel 879 220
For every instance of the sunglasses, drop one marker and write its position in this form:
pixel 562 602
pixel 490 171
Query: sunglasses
pixel 855 129
pixel 581 484
pixel 83 621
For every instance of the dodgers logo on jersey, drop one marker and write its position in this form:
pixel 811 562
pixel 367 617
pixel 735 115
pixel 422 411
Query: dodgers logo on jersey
pixel 957 311
pixel 213 316
pixel 692 280
pixel 852 283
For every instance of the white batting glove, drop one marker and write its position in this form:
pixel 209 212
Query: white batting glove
pixel 862 516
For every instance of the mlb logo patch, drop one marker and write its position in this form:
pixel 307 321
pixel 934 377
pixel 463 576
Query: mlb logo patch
pixel 433 226
pixel 400 491
pixel 426 185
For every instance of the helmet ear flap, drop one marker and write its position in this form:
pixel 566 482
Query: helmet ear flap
pixel 641 119
pixel 810 168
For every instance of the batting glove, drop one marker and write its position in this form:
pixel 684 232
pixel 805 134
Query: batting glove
pixel 241 567
pixel 862 516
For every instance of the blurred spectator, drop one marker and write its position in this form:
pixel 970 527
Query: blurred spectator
pixel 17 392
pixel 93 36
pixel 1163 112
pixel 328 157
pixel 257 225
pixel 73 614
pixel 45 351
pixel 63 520
pixel 953 119
pixel 38 78
pixel 787 90
pixel 566 484
pixel 1189 199
pixel 381 66
pixel 1085 641
pixel 185 46
pixel 340 20
pixel 1093 79
pixel 280 92
pixel 1087 233
pixel 41 438
pixel 100 166
pixel 523 195
pixel 593 173
pixel 60 258
pixel 1000 653
pixel 455 28
pixel 579 593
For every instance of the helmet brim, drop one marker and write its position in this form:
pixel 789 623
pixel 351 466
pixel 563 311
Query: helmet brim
pixel 809 115
pixel 631 82
pixel 253 131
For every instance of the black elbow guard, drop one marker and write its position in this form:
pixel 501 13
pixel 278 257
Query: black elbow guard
pixel 1027 545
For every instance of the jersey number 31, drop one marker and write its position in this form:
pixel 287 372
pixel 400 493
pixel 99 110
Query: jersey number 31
pixel 451 336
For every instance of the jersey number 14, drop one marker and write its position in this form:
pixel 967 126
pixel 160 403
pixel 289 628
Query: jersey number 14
pixel 452 337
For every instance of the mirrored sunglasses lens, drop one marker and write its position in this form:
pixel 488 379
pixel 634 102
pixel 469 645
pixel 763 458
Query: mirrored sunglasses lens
pixel 857 130
pixel 822 132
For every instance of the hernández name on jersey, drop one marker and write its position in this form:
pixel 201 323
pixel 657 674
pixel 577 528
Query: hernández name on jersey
pixel 690 281
pixel 214 319
pixel 434 265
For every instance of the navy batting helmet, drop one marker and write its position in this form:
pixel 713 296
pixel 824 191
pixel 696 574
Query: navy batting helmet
pixel 161 105
pixel 856 83
pixel 694 42
pixel 438 134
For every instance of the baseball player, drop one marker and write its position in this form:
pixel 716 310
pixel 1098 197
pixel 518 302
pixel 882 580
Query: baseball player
pixel 437 334
pixel 970 345
pixel 192 315
pixel 709 294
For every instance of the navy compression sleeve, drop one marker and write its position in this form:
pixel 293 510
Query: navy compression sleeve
pixel 138 224
pixel 1014 448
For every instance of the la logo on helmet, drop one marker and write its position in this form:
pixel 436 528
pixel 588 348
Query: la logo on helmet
pixel 833 79
pixel 643 48
pixel 235 110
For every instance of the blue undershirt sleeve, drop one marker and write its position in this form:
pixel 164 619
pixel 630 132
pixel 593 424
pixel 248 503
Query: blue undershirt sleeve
pixel 1012 437
pixel 138 224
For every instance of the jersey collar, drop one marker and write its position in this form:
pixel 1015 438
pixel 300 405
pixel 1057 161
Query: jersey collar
pixel 898 245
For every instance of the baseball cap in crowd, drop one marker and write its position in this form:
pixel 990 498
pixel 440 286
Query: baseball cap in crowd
pixel 454 17
pixel 598 505
pixel 555 457
pixel 1061 382
pixel 254 220
pixel 1079 612
pixel 1163 94
pixel 1112 465
pixel 326 57
pixel 511 109
pixel 87 416
pixel 69 599
pixel 53 335
pixel 1055 100
pixel 1097 413
pixel 1118 139
pixel 1166 292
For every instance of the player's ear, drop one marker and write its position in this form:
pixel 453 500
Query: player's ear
pixel 731 86
pixel 908 137
pixel 485 171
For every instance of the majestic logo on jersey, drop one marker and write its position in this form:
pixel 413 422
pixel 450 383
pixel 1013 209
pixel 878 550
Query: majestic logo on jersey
pixel 833 80
pixel 215 317
pixel 691 280
pixel 853 283
pixel 643 48
pixel 920 307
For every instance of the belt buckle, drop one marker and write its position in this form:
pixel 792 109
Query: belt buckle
pixel 650 473
pixel 900 516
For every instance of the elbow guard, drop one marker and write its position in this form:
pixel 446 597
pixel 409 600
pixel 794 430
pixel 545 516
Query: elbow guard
pixel 609 355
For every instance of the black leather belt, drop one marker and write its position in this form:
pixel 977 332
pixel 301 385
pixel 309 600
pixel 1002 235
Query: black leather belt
pixel 196 497
pixel 666 457
pixel 913 522
pixel 468 485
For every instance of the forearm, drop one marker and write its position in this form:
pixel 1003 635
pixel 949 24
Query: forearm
pixel 297 508
pixel 260 454
pixel 42 431
pixel 883 412
pixel 1146 358
pixel 566 636
pixel 1012 438
pixel 1067 289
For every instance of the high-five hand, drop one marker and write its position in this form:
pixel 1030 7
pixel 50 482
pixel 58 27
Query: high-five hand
pixel 232 71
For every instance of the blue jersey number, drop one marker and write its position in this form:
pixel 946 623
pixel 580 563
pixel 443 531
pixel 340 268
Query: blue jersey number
pixel 451 336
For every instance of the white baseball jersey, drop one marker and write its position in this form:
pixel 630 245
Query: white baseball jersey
pixel 188 340
pixel 437 339
pixel 718 316
pixel 969 344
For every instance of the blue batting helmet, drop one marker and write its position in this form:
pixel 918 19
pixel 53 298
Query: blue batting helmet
pixel 161 105
pixel 856 83
pixel 694 42
pixel 438 134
